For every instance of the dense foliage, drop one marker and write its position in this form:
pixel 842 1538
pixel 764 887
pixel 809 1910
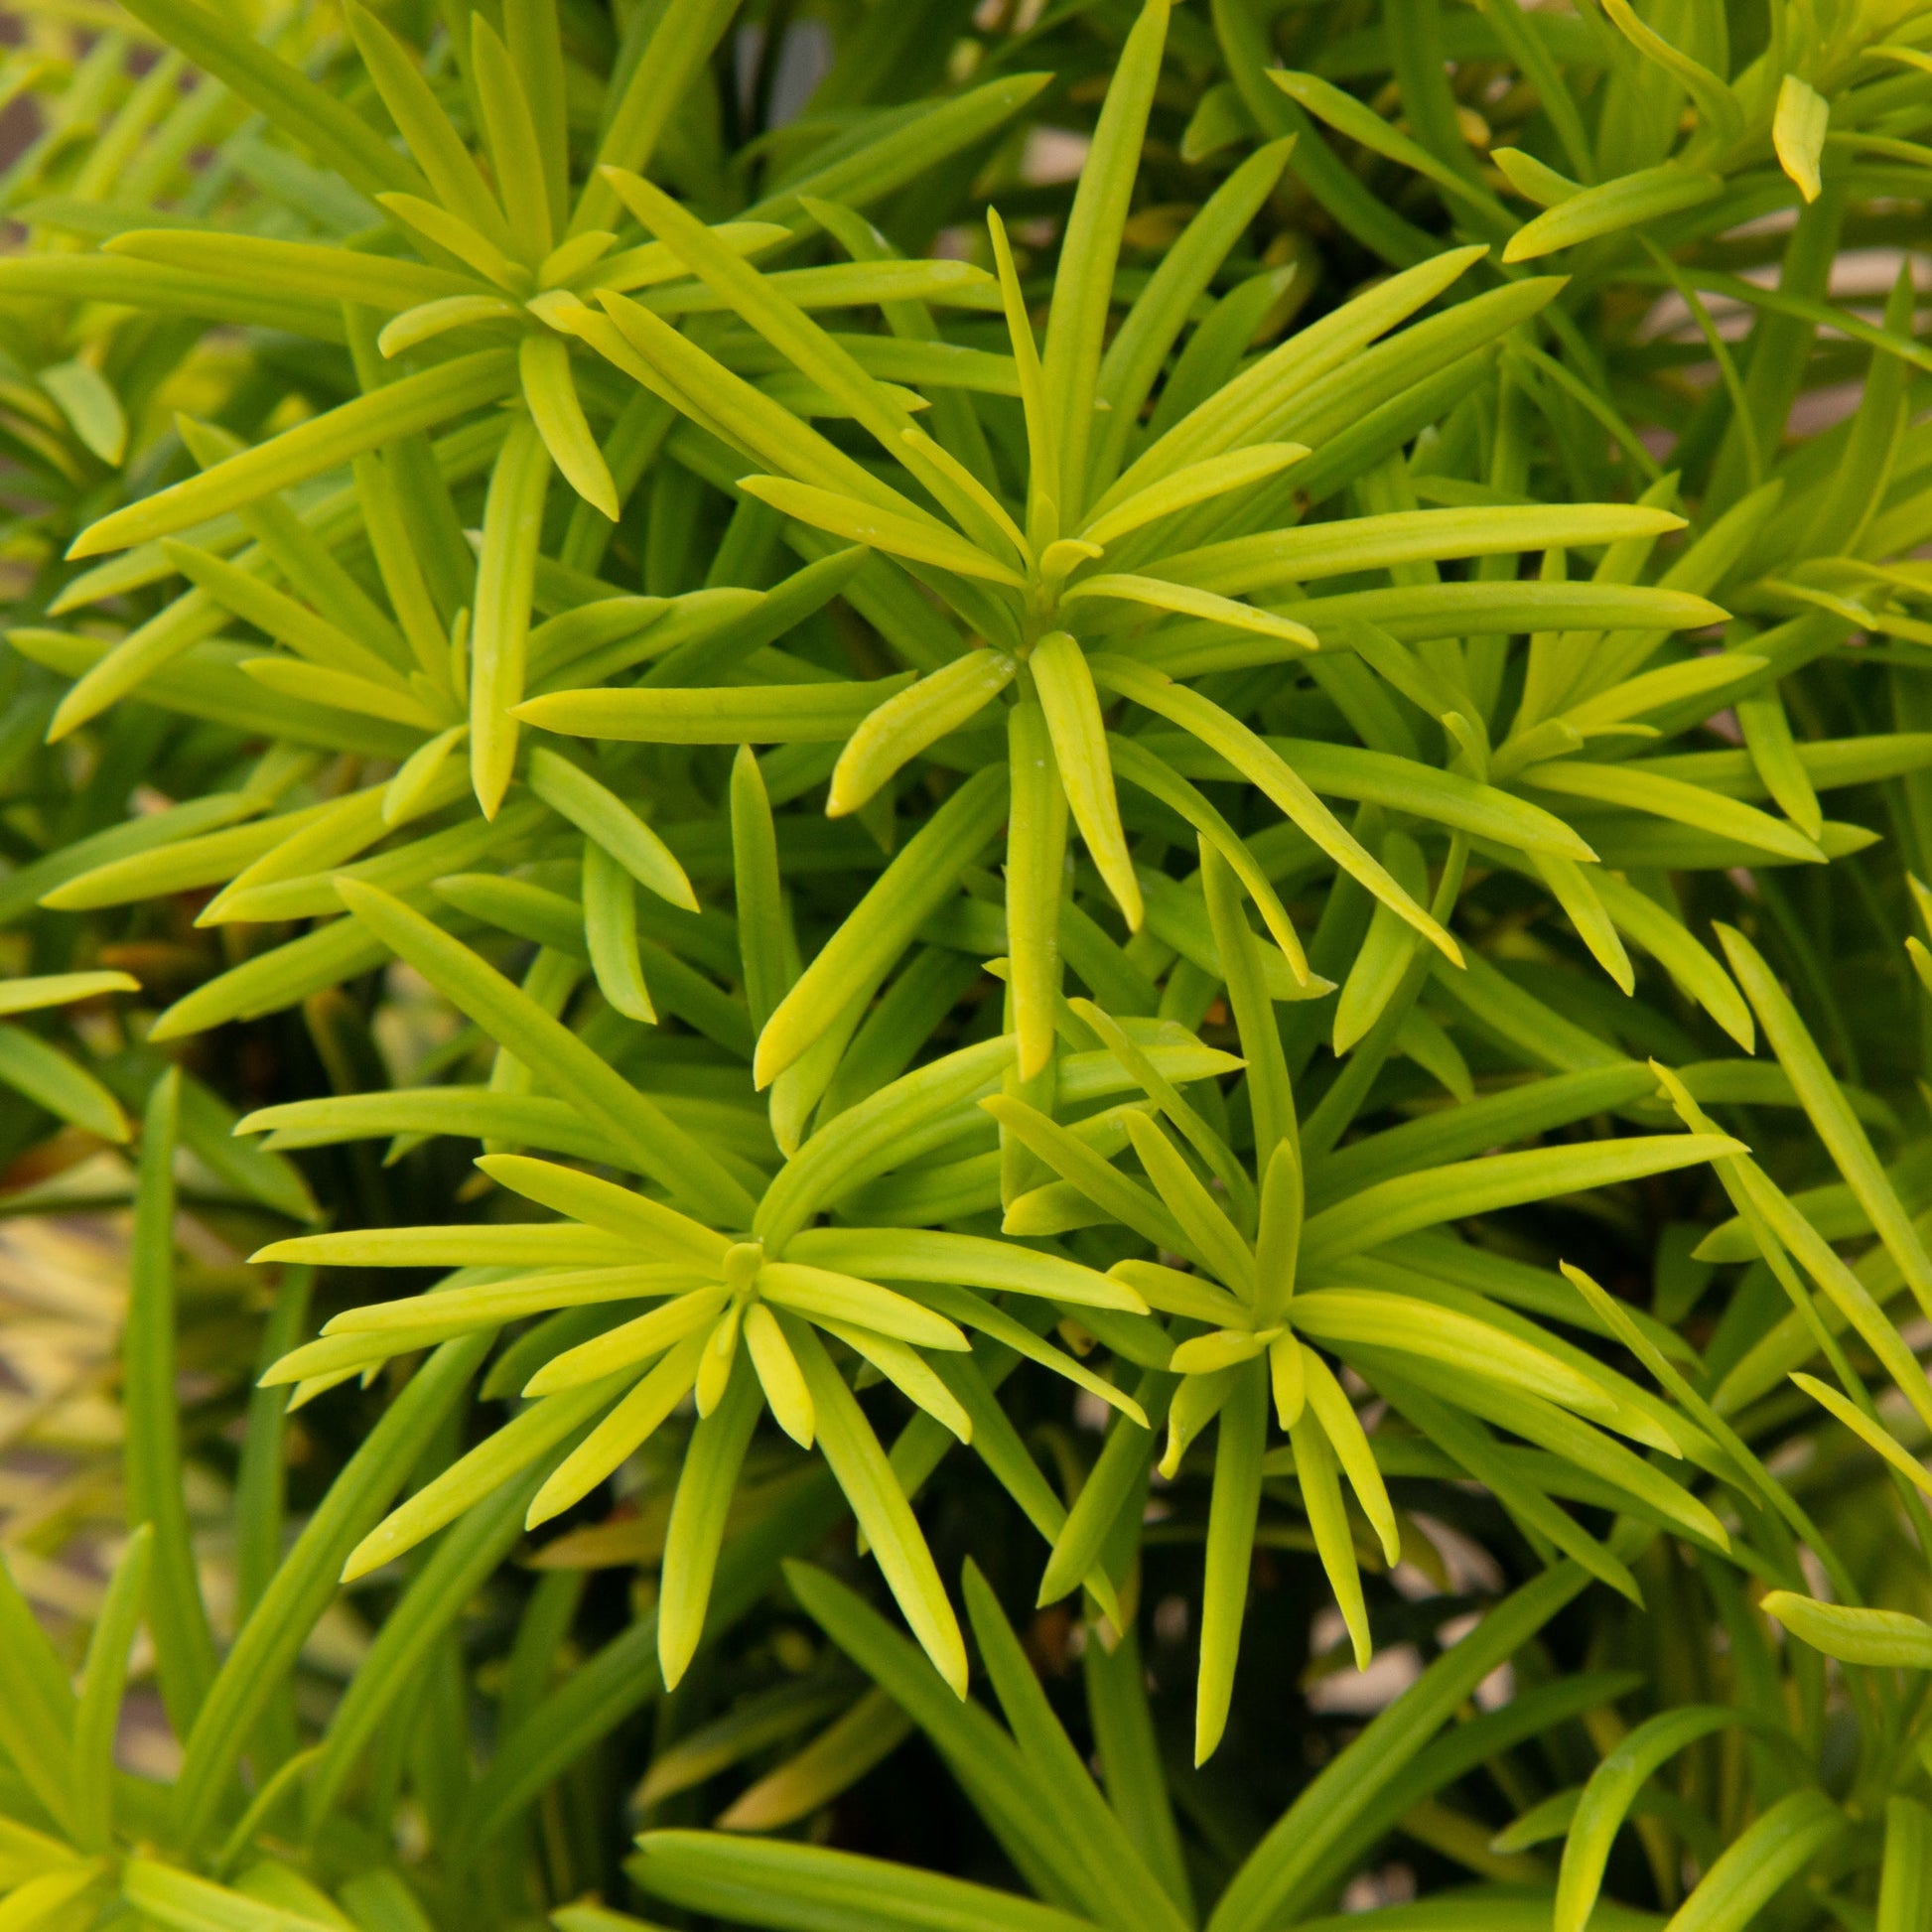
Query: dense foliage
pixel 1158 778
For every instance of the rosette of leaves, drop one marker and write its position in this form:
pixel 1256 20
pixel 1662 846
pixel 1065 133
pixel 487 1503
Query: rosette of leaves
pixel 416 672
pixel 388 678
pixel 1123 561
pixel 752 1272
pixel 1256 1279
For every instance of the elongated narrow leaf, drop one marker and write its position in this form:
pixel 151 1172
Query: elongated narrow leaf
pixel 1239 1440
pixel 1855 1636
pixel 1076 323
pixel 543 361
pixel 339 274
pixel 1035 881
pixel 487 1467
pixel 1379 1214
pixel 98 1717
pixel 1065 689
pixel 1830 1111
pixel 417 402
pixel 1265 769
pixel 1111 1873
pixel 222 47
pixel 858 522
pixel 881 924
pixel 1160 595
pixel 1611 208
pixel 438 149
pixel 708 1873
pixel 1242 565
pixel 892 1529
pixel 268 1644
pixel 48 1079
pixel 864 1736
pixel 779 713
pixel 906 723
pixel 1765 1857
pixel 155 1497
pixel 659 1146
